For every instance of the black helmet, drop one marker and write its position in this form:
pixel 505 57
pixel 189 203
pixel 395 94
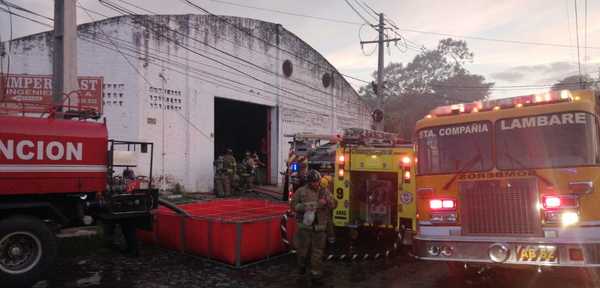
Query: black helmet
pixel 313 176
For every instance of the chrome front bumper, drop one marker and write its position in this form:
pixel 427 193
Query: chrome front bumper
pixel 476 250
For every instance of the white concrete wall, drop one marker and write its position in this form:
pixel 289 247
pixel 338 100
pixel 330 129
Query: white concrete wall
pixel 194 77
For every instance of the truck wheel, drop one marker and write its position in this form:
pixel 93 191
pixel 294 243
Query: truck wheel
pixel 27 249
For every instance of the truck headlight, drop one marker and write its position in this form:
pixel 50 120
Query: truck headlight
pixel 569 218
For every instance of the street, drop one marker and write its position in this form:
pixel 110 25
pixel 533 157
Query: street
pixel 87 264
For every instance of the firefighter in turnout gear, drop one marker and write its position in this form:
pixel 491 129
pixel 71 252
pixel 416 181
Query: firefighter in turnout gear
pixel 313 206
pixel 247 172
pixel 230 169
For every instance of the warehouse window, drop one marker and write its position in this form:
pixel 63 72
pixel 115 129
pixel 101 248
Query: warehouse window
pixel 326 79
pixel 288 68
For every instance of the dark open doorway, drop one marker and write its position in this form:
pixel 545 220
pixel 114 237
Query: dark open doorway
pixel 242 126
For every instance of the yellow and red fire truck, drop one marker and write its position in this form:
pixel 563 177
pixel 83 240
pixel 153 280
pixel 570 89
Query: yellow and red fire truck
pixel 510 182
pixel 374 186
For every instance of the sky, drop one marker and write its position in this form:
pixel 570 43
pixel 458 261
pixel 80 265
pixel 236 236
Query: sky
pixel 537 47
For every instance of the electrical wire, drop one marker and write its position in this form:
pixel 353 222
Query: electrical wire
pixel 328 69
pixel 350 112
pixel 340 21
pixel 369 12
pixel 309 86
pixel 359 15
pixel 568 5
pixel 585 33
pixel 360 114
pixel 251 76
pixel 150 83
pixel 212 75
pixel 577 33
pixel 9 53
pixel 12 5
pixel 361 40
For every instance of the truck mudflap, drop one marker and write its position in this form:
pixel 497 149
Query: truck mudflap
pixel 533 252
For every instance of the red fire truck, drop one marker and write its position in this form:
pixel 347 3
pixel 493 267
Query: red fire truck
pixel 57 174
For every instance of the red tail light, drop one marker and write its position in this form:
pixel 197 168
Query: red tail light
pixel 442 204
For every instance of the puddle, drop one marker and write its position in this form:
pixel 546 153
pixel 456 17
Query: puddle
pixel 93 280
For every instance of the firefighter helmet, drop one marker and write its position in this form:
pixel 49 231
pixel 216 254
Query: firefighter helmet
pixel 313 176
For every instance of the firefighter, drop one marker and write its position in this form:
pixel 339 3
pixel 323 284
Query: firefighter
pixel 259 168
pixel 313 206
pixel 230 170
pixel 327 184
pixel 220 179
pixel 248 169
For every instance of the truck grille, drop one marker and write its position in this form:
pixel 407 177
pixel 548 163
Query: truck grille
pixel 488 208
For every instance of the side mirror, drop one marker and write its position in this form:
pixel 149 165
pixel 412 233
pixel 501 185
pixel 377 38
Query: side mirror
pixel 144 148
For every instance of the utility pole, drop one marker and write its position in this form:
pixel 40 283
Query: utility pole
pixel 64 65
pixel 163 182
pixel 378 113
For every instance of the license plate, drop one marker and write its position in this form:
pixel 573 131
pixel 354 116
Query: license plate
pixel 537 254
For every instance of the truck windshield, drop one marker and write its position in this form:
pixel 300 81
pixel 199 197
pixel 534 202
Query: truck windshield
pixel 543 141
pixel 465 147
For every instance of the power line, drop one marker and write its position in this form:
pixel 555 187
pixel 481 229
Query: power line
pixel 341 21
pixel 229 80
pixel 585 57
pixel 569 26
pixel 256 37
pixel 12 5
pixel 358 13
pixel 577 33
pixel 309 86
pixel 218 83
pixel 371 12
pixel 24 17
pixel 9 51
pixel 149 83
pixel 127 12
pixel 226 84
pixel 204 64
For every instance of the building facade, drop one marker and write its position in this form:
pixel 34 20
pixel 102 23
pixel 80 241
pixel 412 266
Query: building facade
pixel 177 80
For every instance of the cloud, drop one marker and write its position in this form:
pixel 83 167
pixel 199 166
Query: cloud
pixel 508 76
pixel 552 68
pixel 539 73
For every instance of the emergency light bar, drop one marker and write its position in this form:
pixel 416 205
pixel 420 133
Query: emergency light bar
pixel 497 104
pixel 360 136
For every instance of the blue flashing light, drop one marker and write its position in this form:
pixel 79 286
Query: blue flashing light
pixel 294 167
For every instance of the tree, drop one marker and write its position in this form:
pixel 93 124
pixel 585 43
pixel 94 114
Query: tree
pixel 433 78
pixel 577 82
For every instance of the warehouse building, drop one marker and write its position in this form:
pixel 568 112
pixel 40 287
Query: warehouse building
pixel 195 85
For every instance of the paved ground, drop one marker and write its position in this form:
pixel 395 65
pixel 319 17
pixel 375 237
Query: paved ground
pixel 84 262
pixel 87 264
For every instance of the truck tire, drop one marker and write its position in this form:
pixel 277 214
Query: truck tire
pixel 27 250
